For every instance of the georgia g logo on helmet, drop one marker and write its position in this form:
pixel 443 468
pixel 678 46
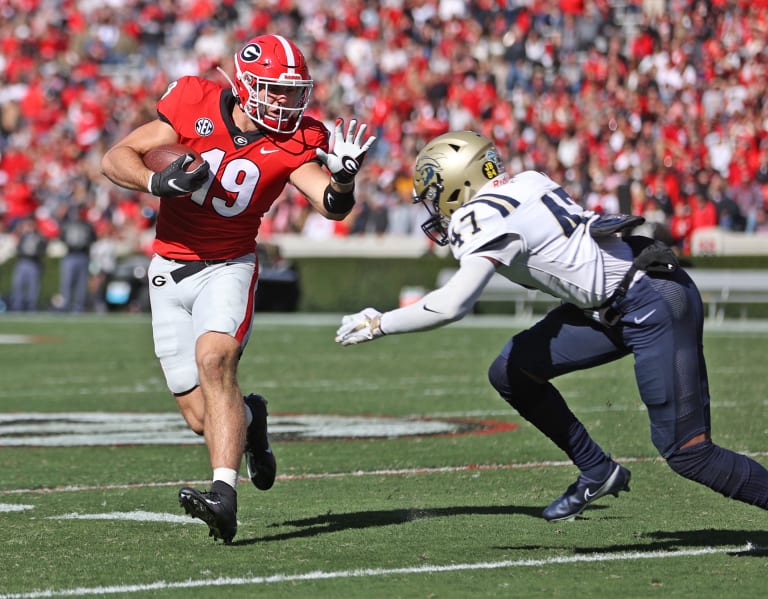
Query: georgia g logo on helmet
pixel 251 53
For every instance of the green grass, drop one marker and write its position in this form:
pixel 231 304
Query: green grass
pixel 398 512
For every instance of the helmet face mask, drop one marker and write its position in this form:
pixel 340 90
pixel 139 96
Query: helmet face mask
pixel 272 83
pixel 436 226
pixel 449 171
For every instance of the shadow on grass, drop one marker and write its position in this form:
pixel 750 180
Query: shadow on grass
pixel 651 541
pixel 665 540
pixel 330 522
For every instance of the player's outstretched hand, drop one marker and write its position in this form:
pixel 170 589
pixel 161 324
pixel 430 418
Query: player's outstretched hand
pixel 347 151
pixel 174 180
pixel 359 328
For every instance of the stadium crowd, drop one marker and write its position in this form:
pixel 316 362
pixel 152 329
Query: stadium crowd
pixel 654 107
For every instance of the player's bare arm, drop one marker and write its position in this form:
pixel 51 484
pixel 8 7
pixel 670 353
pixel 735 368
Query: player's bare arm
pixel 312 180
pixel 334 198
pixel 123 165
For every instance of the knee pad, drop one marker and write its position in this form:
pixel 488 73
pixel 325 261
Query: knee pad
pixel 511 383
pixel 180 375
pixel 692 461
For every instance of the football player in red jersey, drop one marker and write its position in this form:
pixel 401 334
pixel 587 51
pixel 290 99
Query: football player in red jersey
pixel 254 139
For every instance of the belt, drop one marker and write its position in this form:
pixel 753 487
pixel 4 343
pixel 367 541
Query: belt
pixel 649 256
pixel 190 267
pixel 608 314
pixel 206 262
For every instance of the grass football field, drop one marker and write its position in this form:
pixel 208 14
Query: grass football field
pixel 400 473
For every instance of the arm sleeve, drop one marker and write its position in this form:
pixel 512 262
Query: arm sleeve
pixel 447 304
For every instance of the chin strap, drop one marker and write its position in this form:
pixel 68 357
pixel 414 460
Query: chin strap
pixel 231 83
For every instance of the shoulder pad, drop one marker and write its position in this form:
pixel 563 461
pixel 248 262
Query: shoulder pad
pixel 614 223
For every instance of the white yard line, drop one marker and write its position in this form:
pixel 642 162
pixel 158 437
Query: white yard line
pixel 376 572
pixel 329 475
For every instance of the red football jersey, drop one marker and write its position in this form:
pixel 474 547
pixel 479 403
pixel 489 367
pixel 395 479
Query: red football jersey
pixel 248 172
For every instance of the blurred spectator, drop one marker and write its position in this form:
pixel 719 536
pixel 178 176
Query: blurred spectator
pixel 748 196
pixel 78 236
pixel 404 216
pixel 703 211
pixel 680 228
pixel 28 270
pixel 728 214
pixel 103 262
pixel 646 90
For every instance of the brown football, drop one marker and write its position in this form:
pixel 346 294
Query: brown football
pixel 161 156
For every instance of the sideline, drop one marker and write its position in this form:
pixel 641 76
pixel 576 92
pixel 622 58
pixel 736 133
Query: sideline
pixel 375 572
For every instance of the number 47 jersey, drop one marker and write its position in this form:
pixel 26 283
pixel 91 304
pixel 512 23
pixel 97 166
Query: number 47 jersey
pixel 540 238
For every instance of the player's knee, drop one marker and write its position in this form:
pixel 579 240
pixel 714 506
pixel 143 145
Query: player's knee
pixel 214 363
pixel 513 384
pixel 498 377
pixel 180 377
pixel 709 464
pixel 691 461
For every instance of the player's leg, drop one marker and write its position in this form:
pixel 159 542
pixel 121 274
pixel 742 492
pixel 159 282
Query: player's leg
pixel 175 346
pixel 20 286
pixel 80 283
pixel 564 341
pixel 672 379
pixel 35 276
pixel 67 274
pixel 217 355
pixel 259 457
pixel 222 316
pixel 174 342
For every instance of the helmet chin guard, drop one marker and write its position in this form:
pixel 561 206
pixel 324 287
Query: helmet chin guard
pixel 436 226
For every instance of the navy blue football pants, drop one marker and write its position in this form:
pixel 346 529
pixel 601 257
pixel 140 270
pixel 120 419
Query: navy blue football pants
pixel 661 325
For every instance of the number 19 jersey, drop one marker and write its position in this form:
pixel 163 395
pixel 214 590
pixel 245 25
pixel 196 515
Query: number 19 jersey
pixel 249 170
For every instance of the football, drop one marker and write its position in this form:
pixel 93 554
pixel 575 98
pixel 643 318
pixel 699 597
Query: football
pixel 161 156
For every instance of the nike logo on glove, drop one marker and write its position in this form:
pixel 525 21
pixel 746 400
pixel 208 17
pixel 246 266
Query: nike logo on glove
pixel 266 151
pixel 642 319
pixel 172 183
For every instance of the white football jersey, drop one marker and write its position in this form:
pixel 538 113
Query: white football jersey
pixel 540 237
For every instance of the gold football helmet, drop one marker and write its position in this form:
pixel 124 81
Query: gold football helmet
pixel 449 171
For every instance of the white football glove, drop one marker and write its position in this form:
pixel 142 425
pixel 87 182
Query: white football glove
pixel 347 152
pixel 359 328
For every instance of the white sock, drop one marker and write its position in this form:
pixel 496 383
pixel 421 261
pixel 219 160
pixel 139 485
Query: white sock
pixel 226 475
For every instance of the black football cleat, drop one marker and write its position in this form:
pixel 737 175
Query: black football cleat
pixel 583 492
pixel 259 459
pixel 209 507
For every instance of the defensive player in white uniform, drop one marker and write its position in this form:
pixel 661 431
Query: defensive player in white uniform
pixel 621 295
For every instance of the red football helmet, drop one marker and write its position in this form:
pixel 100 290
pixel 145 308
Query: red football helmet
pixel 272 82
